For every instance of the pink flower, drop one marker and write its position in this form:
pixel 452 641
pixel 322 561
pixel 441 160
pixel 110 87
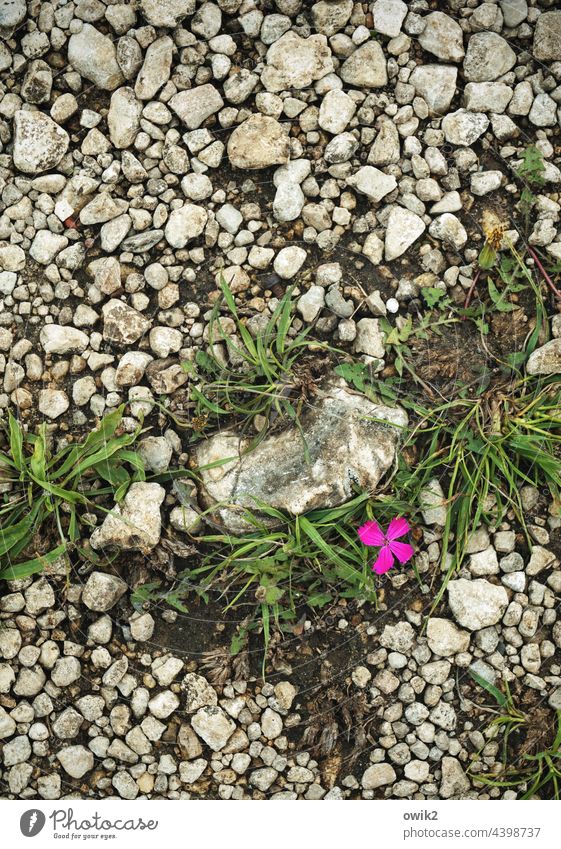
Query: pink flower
pixel 372 534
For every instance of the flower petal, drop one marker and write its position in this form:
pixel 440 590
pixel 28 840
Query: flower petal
pixel 384 561
pixel 398 528
pixel 371 534
pixel 402 550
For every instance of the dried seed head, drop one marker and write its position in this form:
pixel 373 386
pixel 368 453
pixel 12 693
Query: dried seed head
pixel 493 229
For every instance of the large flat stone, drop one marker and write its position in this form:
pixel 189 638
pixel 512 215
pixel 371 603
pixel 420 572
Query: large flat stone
pixel 345 440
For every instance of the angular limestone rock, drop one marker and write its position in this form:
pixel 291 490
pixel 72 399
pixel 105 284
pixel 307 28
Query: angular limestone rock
pixel 258 143
pixel 294 62
pixel 134 525
pixel 348 439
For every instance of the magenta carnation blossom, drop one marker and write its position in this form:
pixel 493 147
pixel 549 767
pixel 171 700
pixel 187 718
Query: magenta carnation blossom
pixel 372 534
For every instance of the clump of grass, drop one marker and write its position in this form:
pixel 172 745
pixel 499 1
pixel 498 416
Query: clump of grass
pixel 46 494
pixel 241 376
pixel 535 773
pixel 272 575
pixel 487 440
pixel 486 448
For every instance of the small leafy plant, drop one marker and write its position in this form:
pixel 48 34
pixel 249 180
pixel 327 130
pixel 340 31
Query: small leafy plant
pixel 46 494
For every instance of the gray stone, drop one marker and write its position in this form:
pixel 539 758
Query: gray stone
pixel 135 524
pixel 30 682
pixel 463 128
pixel 514 12
pixel 166 668
pixel 344 449
pixel 39 596
pixel 547 37
pixel 372 182
pixel 163 704
pixel 487 97
pixel 46 245
pixel 388 16
pixel 445 638
pixel 488 57
pixel 76 760
pixel 155 453
pixel 7 724
pixel 38 82
pixel 198 693
pixel 12 13
pixel 544 111
pixel 311 303
pixel 399 637
pixel 93 55
pixel 185 520
pixel 335 112
pixel 289 261
pixel 369 338
pixel 554 700
pixel 214 726
pixel 122 324
pixel 191 771
pixel 403 229
pixel 155 69
pixel 258 142
pixel 53 403
pixel 443 37
pixel 185 224
pixel 62 339
pixel 449 229
pixel 39 143
pixel 129 56
pixel 123 119
pixel 263 778
pixel 540 559
pixel 366 67
pixel 341 148
pixel 484 563
pixel 48 786
pixel 386 148
pixel 454 783
pixel 197 104
pixel 16 751
pixel 131 368
pixel 288 202
pixel 476 604
pixel 67 724
pixel 125 785
pixel 295 62
pixel 166 13
pixel 103 591
pixel 329 17
pixel 436 84
pixel 285 693
pixel 433 503
pixel 483 182
pixel 141 626
pixel 545 360
pixel 378 775
pixel 271 724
